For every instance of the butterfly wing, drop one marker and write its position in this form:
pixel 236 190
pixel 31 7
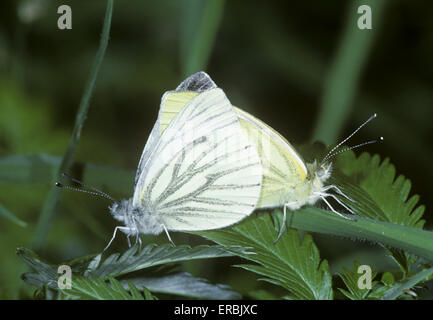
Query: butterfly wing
pixel 172 103
pixel 202 173
pixel 198 82
pixel 283 167
pixel 151 143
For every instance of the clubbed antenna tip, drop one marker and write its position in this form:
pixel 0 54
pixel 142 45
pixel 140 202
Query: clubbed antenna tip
pixel 94 191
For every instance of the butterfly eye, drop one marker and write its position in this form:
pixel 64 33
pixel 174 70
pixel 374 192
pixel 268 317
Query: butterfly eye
pixel 322 170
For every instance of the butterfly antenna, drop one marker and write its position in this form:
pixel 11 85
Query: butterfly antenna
pixel 380 139
pixel 94 190
pixel 350 136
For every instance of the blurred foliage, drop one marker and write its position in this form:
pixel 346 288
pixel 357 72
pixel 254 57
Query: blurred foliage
pixel 272 60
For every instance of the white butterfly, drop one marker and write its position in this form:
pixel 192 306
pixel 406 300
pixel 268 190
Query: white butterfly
pixel 201 173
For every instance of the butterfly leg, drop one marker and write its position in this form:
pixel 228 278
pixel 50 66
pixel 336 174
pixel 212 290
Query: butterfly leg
pixel 139 243
pixel 339 201
pixel 129 240
pixel 333 210
pixel 283 224
pixel 114 235
pixel 337 189
pixel 168 236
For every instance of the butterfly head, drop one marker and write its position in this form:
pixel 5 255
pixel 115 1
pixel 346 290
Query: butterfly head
pixel 121 210
pixel 137 219
pixel 318 174
pixel 323 171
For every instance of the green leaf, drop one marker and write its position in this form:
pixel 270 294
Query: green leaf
pixel 46 273
pixel 289 263
pixel 380 195
pixel 262 295
pixel 350 279
pixel 378 179
pixel 402 259
pixel 400 289
pixel 184 284
pixel 387 278
pixel 153 255
pixel 97 289
pixel 10 216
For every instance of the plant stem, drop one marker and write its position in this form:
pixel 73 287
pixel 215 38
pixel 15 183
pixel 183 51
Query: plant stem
pixel 10 216
pixel 47 213
pixel 395 293
pixel 416 241
pixel 341 83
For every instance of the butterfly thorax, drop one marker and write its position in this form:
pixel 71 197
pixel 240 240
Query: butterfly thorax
pixel 309 190
pixel 137 219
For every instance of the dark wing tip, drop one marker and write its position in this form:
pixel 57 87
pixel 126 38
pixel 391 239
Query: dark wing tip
pixel 198 82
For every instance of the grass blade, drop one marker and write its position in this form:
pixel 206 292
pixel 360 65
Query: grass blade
pixel 47 213
pixel 342 80
pixel 10 216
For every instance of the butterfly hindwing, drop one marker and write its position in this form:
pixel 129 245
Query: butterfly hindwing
pixel 283 168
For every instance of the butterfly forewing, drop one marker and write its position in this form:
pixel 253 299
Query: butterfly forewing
pixel 203 173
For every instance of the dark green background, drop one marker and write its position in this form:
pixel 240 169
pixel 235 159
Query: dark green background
pixel 291 65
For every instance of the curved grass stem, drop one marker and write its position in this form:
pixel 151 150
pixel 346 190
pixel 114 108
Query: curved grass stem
pixel 47 213
pixel 342 82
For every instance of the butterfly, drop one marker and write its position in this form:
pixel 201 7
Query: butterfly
pixel 199 173
pixel 288 181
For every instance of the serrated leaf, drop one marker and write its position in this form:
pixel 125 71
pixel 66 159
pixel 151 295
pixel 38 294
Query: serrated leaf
pixel 289 263
pixel 97 289
pixel 402 259
pixel 46 273
pixel 378 179
pixel 184 284
pixel 153 255
pixel 350 279
pixel 380 195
